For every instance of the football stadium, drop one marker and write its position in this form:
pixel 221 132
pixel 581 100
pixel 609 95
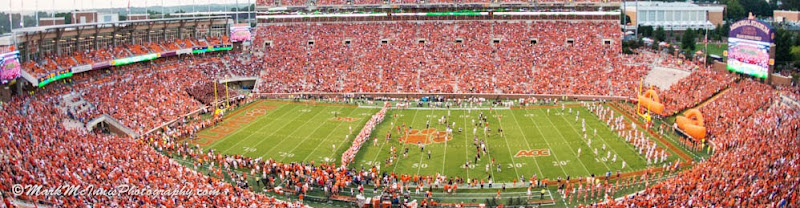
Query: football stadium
pixel 397 103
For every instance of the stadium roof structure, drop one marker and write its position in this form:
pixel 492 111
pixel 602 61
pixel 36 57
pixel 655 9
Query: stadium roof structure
pixel 441 6
pixel 104 24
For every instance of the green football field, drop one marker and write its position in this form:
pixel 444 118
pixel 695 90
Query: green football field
pixel 287 131
pixel 534 141
pixel 533 130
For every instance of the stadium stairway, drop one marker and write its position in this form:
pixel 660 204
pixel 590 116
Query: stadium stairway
pixel 704 103
pixel 113 124
pixel 789 101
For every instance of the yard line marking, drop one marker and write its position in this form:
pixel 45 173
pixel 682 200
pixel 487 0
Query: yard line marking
pixel 444 157
pixel 570 146
pixel 251 124
pixel 385 142
pixel 579 133
pixel 618 137
pixel 420 162
pixel 284 126
pixel 312 133
pixel 548 143
pixel 514 165
pixel 440 108
pixel 344 142
pixel 466 143
pixel 329 136
pixel 513 115
pixel 488 152
pixel 225 119
pixel 395 163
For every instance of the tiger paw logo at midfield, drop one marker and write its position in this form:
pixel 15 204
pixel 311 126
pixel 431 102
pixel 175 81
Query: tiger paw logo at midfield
pixel 425 136
pixel 533 153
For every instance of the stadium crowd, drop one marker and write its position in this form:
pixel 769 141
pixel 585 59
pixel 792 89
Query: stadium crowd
pixel 700 85
pixel 730 110
pixel 460 57
pixel 756 136
pixel 757 165
pixel 37 150
pixel 52 62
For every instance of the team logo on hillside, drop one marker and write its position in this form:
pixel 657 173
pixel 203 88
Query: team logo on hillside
pixel 533 153
pixel 425 136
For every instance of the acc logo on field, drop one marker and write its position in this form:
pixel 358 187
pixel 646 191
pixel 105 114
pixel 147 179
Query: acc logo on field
pixel 533 153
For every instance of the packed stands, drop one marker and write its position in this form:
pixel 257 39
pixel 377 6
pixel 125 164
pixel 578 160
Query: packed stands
pixel 205 92
pixel 91 56
pixel 731 109
pixel 44 153
pixel 757 167
pixel 137 49
pixel 693 89
pixel 330 2
pixel 755 137
pixel 293 2
pixel 243 65
pixel 118 93
pixel 487 60
pixel 154 47
pixel 34 67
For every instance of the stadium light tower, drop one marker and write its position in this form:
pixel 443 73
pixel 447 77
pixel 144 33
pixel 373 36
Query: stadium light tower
pixel 36 11
pixel 10 23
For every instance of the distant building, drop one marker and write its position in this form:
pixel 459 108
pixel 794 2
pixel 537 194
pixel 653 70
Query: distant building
pixel 49 21
pixel 138 16
pixel 674 15
pixel 786 16
pixel 107 17
pixel 83 17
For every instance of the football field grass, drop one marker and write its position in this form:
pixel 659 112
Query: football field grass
pixel 287 131
pixel 534 142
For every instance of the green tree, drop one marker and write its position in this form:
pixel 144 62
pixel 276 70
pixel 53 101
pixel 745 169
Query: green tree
pixel 793 5
pixel 646 31
pixel 67 17
pixel 758 7
pixel 717 33
pixel 735 10
pixel 796 53
pixel 626 19
pixel 783 46
pixel 689 39
pixel 660 34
